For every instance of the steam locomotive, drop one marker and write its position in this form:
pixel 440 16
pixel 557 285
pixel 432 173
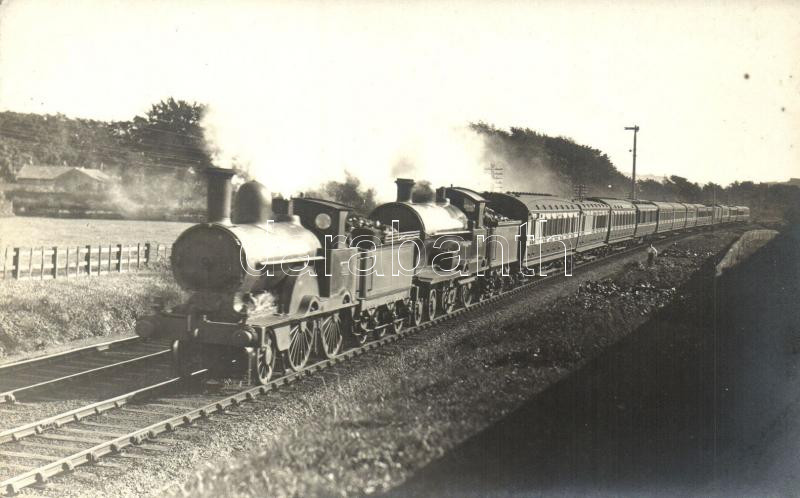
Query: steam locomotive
pixel 283 280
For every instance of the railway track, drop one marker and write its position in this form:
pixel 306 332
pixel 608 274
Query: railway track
pixel 60 443
pixel 32 377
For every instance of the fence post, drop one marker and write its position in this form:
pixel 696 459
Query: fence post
pixel 15 261
pixel 55 262
pixel 66 264
pixel 119 258
pixel 30 263
pixel 41 270
pixel 78 264
pixel 138 255
pixel 147 255
pixel 88 262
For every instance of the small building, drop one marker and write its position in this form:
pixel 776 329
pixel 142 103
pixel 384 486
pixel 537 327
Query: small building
pixel 82 180
pixel 62 179
pixel 40 177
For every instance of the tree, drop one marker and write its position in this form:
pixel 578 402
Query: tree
pixel 349 193
pixel 171 133
pixel 686 191
pixel 11 161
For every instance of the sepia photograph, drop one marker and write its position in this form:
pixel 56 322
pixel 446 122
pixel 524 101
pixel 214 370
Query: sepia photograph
pixel 443 248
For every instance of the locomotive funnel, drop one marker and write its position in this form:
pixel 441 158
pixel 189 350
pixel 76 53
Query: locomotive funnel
pixel 219 195
pixel 404 188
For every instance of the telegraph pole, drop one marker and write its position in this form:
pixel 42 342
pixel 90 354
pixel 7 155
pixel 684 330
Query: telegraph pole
pixel 635 129
pixel 496 172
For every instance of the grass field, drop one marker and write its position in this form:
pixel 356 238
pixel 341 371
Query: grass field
pixel 36 315
pixel 24 231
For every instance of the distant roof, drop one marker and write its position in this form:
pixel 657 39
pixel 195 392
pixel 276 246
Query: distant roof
pixel 95 174
pixel 30 172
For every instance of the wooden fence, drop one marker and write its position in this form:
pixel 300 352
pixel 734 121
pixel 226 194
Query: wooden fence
pixel 23 263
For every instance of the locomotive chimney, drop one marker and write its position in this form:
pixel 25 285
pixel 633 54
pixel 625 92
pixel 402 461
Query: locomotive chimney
pixel 441 197
pixel 219 195
pixel 404 188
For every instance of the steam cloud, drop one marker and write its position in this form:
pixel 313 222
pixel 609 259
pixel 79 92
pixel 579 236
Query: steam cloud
pixel 525 172
pixel 297 152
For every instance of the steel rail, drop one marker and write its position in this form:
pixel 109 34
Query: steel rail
pixel 56 357
pixel 136 437
pixel 11 395
pixel 76 415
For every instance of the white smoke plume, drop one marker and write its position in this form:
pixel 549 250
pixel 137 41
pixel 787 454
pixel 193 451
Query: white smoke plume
pixel 295 150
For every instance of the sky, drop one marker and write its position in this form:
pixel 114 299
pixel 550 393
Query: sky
pixel 307 90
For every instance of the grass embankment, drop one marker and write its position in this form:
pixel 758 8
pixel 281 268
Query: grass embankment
pixel 406 406
pixel 35 315
pixel 27 231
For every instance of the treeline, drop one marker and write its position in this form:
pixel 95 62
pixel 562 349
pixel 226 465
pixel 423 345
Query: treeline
pixel 536 162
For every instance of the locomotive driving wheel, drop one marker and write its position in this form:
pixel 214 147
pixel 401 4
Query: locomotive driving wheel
pixel 449 300
pixel 433 304
pixel 301 340
pixel 398 317
pixel 417 312
pixel 330 335
pixel 465 295
pixel 382 320
pixel 264 362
